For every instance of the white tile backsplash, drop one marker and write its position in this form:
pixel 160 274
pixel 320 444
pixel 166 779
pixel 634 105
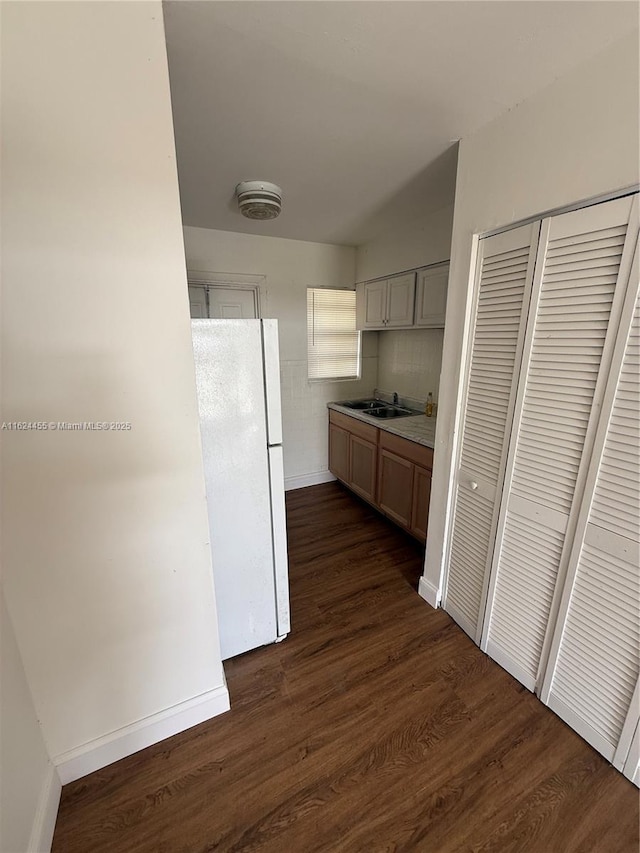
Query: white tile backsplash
pixel 409 362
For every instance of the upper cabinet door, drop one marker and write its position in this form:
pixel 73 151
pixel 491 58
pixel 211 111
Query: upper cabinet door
pixel 431 297
pixel 400 301
pixel 374 303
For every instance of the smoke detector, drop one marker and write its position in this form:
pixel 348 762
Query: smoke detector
pixel 259 199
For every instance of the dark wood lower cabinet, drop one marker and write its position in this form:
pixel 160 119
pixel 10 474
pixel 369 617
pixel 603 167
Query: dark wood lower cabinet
pixel 391 473
pixel 421 497
pixel 395 485
pixel 339 452
pixel 362 467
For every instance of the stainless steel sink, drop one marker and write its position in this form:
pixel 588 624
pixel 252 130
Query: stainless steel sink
pixel 378 408
pixel 362 404
pixel 390 412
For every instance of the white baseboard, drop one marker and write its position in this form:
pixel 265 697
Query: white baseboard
pixel 44 821
pixel 105 750
pixel 503 659
pixel 429 592
pixel 304 480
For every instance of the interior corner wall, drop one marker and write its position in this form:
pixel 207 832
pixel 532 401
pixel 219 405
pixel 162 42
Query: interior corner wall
pixel 290 267
pixel 574 140
pixel 407 245
pixel 107 568
pixel 29 785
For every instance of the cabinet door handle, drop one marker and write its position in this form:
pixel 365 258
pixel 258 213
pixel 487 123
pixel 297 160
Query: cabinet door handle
pixel 473 485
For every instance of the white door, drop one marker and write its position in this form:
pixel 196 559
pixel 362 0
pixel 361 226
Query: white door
pixel 198 302
pixel 594 665
pixel 504 275
pixel 431 297
pixel 631 767
pixel 400 300
pixel 582 270
pixel 232 303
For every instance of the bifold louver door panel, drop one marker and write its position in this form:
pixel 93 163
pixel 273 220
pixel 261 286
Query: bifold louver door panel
pixel 504 275
pixel 578 289
pixel 594 664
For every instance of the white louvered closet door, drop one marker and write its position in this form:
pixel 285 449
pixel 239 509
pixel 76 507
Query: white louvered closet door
pixel 504 275
pixel 594 664
pixel 582 269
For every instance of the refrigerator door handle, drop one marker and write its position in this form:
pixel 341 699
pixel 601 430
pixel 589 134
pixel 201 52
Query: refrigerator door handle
pixel 280 558
pixel 271 359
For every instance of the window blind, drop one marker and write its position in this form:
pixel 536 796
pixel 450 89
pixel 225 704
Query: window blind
pixel 333 343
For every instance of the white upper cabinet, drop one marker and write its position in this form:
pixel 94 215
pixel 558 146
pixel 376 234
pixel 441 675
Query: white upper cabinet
pixel 431 297
pixel 386 304
pixel 401 293
pixel 399 302
pixel 374 304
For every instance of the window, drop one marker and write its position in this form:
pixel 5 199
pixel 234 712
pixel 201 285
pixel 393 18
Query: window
pixel 333 343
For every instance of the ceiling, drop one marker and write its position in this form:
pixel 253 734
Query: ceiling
pixel 354 108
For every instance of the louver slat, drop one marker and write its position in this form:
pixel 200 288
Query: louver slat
pixel 502 291
pixel 598 661
pixel 577 288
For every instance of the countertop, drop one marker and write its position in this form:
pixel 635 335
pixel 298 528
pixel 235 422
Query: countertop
pixel 418 428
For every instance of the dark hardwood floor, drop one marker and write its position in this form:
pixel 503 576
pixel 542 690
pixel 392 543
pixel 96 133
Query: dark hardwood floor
pixel 376 726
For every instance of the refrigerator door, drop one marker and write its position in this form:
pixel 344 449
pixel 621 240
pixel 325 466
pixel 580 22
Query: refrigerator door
pixel 279 532
pixel 271 356
pixel 230 382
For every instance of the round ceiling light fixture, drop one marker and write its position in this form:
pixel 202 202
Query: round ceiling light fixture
pixel 259 199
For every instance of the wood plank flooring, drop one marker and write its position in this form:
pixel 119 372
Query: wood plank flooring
pixel 377 725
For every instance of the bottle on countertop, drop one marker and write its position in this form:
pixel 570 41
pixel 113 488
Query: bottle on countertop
pixel 428 409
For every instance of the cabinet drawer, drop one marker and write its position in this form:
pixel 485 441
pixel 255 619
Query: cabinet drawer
pixel 417 453
pixel 354 426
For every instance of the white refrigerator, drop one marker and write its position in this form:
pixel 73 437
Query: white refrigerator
pixel 238 383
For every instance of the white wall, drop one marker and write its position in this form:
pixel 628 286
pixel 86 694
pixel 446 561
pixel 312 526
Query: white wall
pixel 107 565
pixel 290 267
pixel 29 784
pixel 417 243
pixel 576 139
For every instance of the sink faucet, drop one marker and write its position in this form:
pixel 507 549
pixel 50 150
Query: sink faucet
pixel 395 398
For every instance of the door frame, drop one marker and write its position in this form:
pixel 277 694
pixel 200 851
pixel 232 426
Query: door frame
pixel 229 281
